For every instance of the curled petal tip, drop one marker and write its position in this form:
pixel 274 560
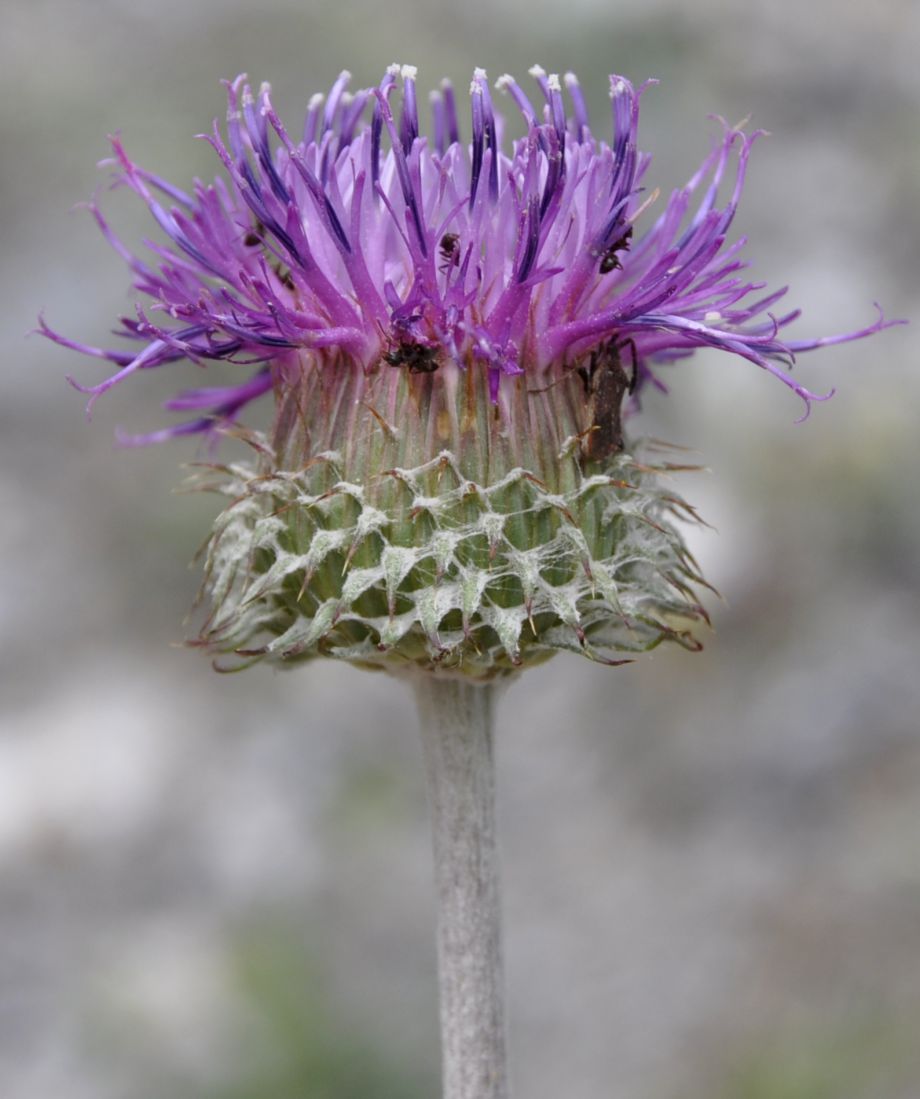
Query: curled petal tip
pixel 806 413
pixel 883 323
pixel 71 380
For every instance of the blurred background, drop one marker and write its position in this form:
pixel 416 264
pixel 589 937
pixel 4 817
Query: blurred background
pixel 220 887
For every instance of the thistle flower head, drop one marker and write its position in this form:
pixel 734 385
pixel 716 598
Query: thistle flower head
pixel 452 326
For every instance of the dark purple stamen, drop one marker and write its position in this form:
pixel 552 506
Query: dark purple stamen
pixel 579 106
pixel 438 123
pixel 335 98
pixel 408 123
pixel 488 124
pixel 405 179
pixel 479 134
pixel 377 122
pixel 450 113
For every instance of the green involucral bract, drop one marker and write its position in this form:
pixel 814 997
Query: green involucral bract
pixel 399 519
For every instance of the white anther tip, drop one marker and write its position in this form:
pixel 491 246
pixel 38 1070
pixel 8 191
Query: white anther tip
pixel 536 71
pixel 408 72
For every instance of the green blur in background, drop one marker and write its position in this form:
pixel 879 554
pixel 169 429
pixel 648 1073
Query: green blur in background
pixel 219 887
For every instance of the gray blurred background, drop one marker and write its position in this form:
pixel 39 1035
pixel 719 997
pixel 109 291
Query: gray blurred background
pixel 219 887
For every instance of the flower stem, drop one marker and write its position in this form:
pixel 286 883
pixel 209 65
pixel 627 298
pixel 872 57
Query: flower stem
pixel 456 719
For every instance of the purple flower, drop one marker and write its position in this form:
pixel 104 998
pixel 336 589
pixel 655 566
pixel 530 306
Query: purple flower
pixel 363 243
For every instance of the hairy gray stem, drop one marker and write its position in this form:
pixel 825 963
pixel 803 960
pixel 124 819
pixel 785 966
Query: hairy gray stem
pixel 456 718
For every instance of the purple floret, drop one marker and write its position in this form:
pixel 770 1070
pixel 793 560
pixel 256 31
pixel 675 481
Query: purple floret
pixel 363 236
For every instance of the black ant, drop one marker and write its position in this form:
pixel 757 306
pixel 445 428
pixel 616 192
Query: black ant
pixel 417 357
pixel 610 261
pixel 449 251
pixel 256 235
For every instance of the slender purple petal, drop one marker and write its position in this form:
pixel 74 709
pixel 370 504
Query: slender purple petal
pixel 367 241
